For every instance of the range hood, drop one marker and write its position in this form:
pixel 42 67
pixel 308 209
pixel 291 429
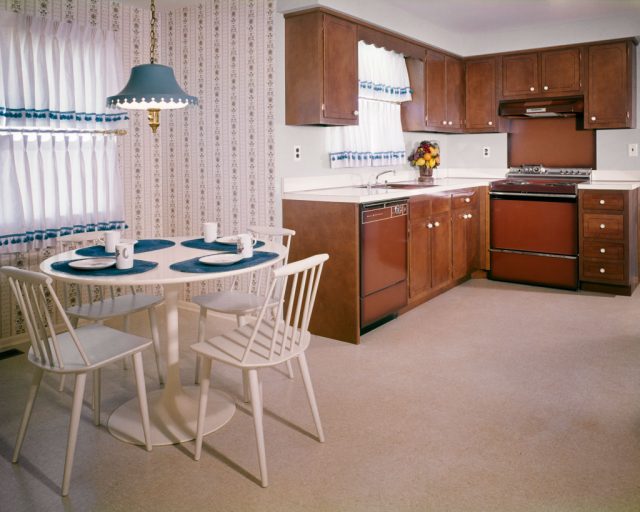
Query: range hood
pixel 558 107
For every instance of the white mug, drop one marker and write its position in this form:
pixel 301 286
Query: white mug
pixel 111 238
pixel 245 245
pixel 210 230
pixel 124 255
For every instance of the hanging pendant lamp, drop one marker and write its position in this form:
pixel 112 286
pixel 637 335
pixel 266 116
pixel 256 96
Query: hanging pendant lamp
pixel 152 87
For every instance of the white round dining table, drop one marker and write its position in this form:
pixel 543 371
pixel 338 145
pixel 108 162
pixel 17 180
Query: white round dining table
pixel 172 409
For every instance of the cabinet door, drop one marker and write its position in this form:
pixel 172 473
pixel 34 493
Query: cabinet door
pixel 454 74
pixel 473 241
pixel 481 108
pixel 340 71
pixel 413 112
pixel 610 96
pixel 560 72
pixel 419 258
pixel 436 102
pixel 520 75
pixel 459 257
pixel 441 250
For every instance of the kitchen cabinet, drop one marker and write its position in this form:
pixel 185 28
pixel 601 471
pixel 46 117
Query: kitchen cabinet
pixel 321 70
pixel 608 241
pixel 465 222
pixel 429 244
pixel 444 79
pixel 611 93
pixel 548 73
pixel 481 108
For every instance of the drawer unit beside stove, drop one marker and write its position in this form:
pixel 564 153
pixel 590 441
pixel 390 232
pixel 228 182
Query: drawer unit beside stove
pixel 608 241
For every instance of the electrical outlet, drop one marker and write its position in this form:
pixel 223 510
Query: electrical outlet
pixel 633 149
pixel 486 151
pixel 297 154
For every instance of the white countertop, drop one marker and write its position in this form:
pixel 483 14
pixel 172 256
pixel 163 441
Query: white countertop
pixel 610 185
pixel 363 195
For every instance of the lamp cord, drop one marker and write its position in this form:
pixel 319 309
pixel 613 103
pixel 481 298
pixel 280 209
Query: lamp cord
pixel 153 32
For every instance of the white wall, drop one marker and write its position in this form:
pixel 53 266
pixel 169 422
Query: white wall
pixel 458 151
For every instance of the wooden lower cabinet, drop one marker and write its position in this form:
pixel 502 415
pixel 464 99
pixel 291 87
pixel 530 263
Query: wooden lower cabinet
pixel 465 222
pixel 609 241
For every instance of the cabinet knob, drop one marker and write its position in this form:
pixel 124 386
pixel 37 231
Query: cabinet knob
pixel 429 225
pixel 467 200
pixel 436 223
pixel 450 123
pixel 532 89
pixel 602 201
pixel 546 87
pixel 355 112
pixel 603 250
pixel 490 123
pixel 593 118
pixel 602 226
pixel 464 216
pixel 469 216
pixel 602 271
pixel 444 122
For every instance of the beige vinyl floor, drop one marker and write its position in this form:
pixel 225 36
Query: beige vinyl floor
pixel 492 397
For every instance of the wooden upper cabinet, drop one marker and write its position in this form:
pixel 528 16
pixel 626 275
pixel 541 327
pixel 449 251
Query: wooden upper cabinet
pixel 454 72
pixel 550 73
pixel 321 70
pixel 414 111
pixel 610 97
pixel 444 97
pixel 481 105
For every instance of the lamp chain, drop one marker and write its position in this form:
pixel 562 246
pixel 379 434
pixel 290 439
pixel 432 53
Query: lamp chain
pixel 153 32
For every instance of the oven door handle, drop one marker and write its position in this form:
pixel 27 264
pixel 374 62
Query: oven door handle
pixel 519 195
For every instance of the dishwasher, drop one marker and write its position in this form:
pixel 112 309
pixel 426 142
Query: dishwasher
pixel 383 262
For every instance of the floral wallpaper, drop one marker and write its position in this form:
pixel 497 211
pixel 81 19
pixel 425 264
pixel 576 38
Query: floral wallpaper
pixel 214 161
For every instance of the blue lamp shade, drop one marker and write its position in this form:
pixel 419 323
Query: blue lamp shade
pixel 151 86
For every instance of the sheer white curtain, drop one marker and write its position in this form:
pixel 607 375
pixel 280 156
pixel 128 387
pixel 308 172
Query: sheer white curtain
pixel 56 76
pixel 57 184
pixel 377 139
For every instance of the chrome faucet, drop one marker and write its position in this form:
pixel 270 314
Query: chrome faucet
pixel 383 173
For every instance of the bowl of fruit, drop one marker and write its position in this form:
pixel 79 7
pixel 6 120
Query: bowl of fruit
pixel 426 157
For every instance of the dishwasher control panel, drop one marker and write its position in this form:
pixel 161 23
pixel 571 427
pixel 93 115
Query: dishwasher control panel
pixel 383 211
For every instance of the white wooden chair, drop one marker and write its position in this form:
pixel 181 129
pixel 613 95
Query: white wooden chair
pixel 102 305
pixel 75 352
pixel 265 342
pixel 247 302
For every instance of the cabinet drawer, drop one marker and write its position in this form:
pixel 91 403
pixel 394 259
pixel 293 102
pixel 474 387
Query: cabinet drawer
pixel 419 207
pixel 603 226
pixel 467 198
pixel 440 204
pixel 600 270
pixel 601 200
pixel 603 250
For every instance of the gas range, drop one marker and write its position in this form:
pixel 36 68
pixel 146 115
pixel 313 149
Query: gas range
pixel 537 179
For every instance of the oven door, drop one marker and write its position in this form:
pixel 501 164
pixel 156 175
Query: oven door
pixel 534 239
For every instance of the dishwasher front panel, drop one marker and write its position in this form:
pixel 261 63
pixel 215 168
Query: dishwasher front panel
pixel 383 248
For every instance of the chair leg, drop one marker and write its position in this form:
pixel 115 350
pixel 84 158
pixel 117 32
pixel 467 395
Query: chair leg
pixel 306 378
pixel 246 393
pixel 256 406
pixel 125 328
pixel 202 405
pixel 202 326
pixel 74 322
pixel 289 369
pixel 97 374
pixel 78 393
pixel 138 370
pixel 155 336
pixel 33 392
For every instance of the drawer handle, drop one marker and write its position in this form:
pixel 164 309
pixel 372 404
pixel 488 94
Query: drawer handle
pixel 436 223
pixel 444 122
pixel 429 225
pixel 593 118
pixel 356 113
pixel 602 201
pixel 546 87
pixel 603 250
pixel 469 216
pixel 490 123
pixel 532 89
pixel 602 270
pixel 602 226
pixel 467 200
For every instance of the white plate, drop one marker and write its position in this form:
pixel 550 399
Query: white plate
pixel 221 259
pixel 92 263
pixel 228 240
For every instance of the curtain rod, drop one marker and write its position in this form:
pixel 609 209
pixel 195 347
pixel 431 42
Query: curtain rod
pixel 13 129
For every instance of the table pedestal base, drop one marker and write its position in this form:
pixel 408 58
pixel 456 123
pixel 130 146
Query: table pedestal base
pixel 171 421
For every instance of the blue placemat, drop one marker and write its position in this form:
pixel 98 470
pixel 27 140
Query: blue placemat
pixel 147 245
pixel 199 243
pixel 194 266
pixel 139 266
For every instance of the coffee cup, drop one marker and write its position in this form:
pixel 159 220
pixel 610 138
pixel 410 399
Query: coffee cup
pixel 245 245
pixel 124 255
pixel 111 238
pixel 210 231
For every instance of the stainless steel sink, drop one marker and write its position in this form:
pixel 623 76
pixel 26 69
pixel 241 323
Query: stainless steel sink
pixel 399 185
